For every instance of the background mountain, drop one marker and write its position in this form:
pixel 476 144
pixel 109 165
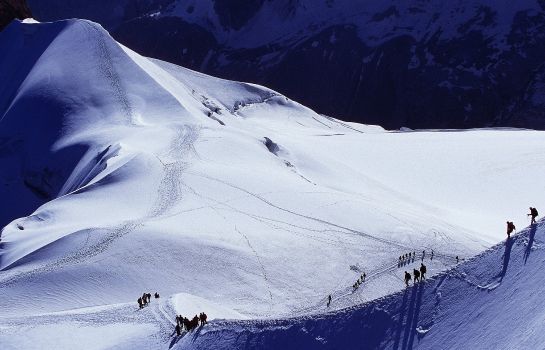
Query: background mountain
pixel 10 9
pixel 414 63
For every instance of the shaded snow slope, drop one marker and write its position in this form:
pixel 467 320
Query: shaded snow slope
pixel 121 174
pixel 487 303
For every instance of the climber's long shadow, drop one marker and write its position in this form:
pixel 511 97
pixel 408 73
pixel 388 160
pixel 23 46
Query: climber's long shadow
pixel 417 306
pixel 409 328
pixel 402 310
pixel 506 256
pixel 530 242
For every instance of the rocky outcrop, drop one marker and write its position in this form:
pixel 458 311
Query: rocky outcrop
pixel 11 9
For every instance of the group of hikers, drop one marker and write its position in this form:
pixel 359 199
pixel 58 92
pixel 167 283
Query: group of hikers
pixel 406 259
pixel 410 258
pixel 184 322
pixel 181 322
pixel 360 280
pixel 419 274
pixel 511 226
pixel 145 299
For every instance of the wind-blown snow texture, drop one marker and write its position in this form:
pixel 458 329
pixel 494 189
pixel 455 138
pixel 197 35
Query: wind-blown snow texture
pixel 121 174
pixel 412 63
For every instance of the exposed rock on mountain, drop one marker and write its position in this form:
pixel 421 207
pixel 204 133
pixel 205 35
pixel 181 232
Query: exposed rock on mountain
pixel 431 64
pixel 11 9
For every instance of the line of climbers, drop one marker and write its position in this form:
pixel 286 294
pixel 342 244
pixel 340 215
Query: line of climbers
pixel 360 280
pixel 420 274
pixel 184 322
pixel 145 299
pixel 406 259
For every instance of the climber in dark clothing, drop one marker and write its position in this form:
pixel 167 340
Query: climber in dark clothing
pixel 407 278
pixel 510 228
pixel 144 299
pixel 533 214
pixel 328 300
pixel 416 275
pixel 423 271
pixel 178 330
pixel 202 318
pixel 140 303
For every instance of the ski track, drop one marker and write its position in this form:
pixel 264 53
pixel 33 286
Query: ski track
pixel 321 221
pixel 156 312
pixel 263 271
pixel 108 70
pixel 343 293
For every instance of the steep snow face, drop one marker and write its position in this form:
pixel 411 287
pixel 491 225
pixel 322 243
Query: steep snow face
pixel 419 64
pixel 52 114
pixel 487 303
pixel 122 174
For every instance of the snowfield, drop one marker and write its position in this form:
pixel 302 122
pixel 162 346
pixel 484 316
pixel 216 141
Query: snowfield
pixel 121 174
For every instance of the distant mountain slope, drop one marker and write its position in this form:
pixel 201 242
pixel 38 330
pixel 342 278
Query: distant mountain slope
pixel 431 64
pixel 11 9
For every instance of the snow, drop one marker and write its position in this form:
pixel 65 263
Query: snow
pixel 187 304
pixel 448 311
pixel 126 175
pixel 29 21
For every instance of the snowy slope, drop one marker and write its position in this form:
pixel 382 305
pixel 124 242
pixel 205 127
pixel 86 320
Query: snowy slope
pixel 489 302
pixel 121 174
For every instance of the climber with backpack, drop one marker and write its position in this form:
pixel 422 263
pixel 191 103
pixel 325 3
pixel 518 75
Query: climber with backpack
pixel 407 278
pixel 533 214
pixel 510 228
pixel 416 276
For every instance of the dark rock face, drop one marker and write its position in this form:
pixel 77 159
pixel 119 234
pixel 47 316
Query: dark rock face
pixel 420 65
pixel 12 9
pixel 171 39
pixel 234 14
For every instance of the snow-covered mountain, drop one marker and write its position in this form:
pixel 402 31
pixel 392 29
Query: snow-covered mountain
pixel 414 63
pixel 121 174
pixel 10 9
